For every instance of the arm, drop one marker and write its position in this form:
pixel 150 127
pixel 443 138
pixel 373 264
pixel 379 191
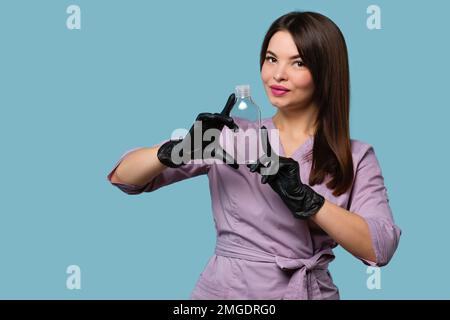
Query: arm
pixel 367 228
pixel 147 169
pixel 138 167
pixel 347 229
pixel 369 200
pixel 158 175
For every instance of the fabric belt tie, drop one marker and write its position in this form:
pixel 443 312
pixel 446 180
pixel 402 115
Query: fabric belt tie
pixel 303 283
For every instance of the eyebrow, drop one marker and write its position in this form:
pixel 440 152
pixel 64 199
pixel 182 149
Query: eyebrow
pixel 293 57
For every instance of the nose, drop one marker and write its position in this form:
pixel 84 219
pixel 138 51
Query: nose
pixel 280 74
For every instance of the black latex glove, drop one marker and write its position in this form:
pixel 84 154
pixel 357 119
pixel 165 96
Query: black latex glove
pixel 300 198
pixel 208 121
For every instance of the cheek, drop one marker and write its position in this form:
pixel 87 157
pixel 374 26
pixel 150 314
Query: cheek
pixel 303 80
pixel 265 73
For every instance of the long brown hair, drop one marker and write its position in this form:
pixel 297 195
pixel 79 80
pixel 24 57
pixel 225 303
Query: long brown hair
pixel 322 48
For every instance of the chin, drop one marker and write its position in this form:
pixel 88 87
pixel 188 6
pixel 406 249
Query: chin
pixel 278 104
pixel 274 101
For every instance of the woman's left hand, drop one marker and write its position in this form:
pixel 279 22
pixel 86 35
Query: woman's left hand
pixel 283 175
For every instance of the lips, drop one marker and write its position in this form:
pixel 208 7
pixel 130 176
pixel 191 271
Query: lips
pixel 278 90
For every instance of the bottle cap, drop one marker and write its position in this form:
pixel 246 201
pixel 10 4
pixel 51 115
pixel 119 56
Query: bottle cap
pixel 242 91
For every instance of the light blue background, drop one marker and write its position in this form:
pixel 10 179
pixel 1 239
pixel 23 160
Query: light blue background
pixel 72 101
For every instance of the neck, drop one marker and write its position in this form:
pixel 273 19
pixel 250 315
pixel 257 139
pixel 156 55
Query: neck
pixel 296 123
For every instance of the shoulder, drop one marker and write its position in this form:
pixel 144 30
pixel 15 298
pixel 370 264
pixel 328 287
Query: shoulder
pixel 359 148
pixel 363 153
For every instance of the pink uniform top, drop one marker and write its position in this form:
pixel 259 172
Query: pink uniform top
pixel 262 251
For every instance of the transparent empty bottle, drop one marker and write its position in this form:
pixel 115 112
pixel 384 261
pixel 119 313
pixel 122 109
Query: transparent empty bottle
pixel 247 115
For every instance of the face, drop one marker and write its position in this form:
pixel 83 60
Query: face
pixel 288 83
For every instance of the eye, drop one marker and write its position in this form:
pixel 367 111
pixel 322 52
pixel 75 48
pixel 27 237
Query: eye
pixel 270 59
pixel 299 63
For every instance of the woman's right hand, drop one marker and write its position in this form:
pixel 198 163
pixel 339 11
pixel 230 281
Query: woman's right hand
pixel 197 145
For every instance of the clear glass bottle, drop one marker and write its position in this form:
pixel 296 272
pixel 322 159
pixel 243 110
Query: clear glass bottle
pixel 247 115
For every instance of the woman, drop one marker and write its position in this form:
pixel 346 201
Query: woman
pixel 276 232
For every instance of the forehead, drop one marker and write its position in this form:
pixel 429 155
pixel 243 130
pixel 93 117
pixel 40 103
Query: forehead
pixel 282 44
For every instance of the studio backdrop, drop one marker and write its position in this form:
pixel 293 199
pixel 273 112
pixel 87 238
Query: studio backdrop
pixel 82 82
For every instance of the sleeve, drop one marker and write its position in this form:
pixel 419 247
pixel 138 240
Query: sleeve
pixel 166 177
pixel 369 199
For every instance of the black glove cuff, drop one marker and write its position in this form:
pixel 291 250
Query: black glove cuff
pixel 165 153
pixel 311 204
